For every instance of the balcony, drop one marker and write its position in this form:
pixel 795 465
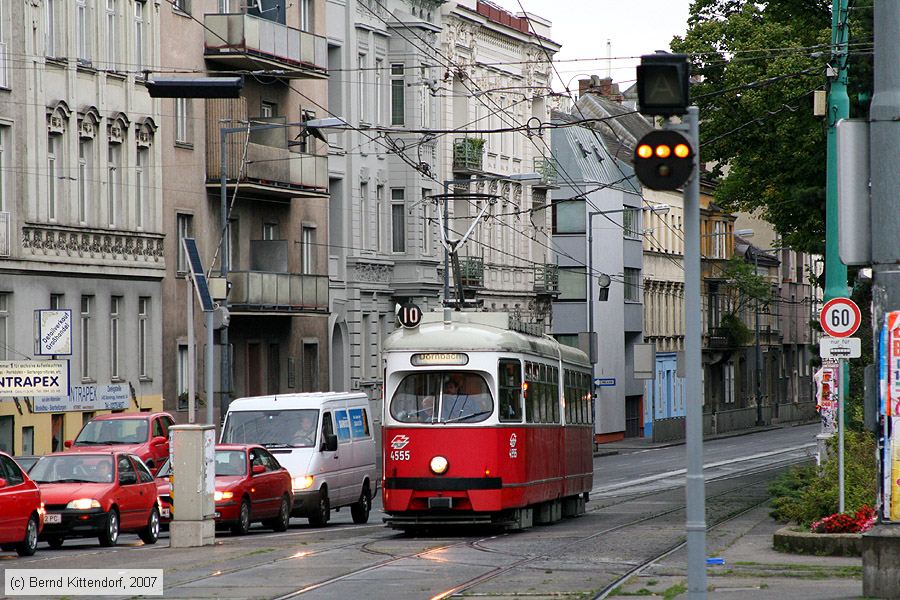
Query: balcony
pixel 275 168
pixel 546 168
pixel 259 292
pixel 546 279
pixel 241 41
pixel 471 271
pixel 468 155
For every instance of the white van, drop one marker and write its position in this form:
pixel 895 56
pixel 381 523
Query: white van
pixel 325 440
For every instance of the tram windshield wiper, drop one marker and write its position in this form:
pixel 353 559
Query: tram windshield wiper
pixel 470 416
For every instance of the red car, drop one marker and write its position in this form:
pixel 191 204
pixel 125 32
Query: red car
pixel 143 434
pixel 251 486
pixel 99 494
pixel 21 511
pixel 164 492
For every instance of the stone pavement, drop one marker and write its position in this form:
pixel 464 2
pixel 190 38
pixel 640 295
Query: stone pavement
pixel 641 443
pixel 752 568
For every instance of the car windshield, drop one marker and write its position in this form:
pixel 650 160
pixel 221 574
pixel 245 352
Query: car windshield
pixel 231 462
pixel 113 431
pixel 26 462
pixel 442 397
pixel 292 428
pixel 73 468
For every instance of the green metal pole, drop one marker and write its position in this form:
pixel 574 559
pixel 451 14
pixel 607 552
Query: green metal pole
pixel 838 108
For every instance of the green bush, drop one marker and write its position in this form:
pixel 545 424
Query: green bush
pixel 807 494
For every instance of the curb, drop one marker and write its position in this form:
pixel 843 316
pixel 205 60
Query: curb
pixel 818 544
pixel 719 436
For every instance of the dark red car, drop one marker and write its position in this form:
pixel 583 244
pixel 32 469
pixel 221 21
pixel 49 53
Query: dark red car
pixel 251 486
pixel 143 434
pixel 99 494
pixel 164 492
pixel 21 511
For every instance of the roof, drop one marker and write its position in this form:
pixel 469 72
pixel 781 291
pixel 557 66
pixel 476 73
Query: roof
pixel 620 134
pixel 585 157
pixel 129 415
pixel 312 400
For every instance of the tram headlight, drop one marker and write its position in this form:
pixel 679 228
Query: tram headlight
pixel 439 465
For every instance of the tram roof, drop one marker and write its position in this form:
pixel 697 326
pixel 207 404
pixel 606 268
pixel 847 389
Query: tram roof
pixel 477 331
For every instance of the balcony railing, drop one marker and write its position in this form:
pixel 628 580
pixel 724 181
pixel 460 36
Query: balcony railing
pixel 245 41
pixel 274 167
pixel 546 279
pixel 258 291
pixel 546 168
pixel 471 271
pixel 468 154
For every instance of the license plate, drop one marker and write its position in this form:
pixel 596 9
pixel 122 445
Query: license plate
pixel 164 513
pixel 53 518
pixel 218 514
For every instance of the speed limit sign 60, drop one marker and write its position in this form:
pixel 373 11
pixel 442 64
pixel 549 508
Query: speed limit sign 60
pixel 840 317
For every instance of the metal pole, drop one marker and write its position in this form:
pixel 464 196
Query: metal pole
pixel 189 284
pixel 759 415
pixel 592 350
pixel 210 393
pixel 225 368
pixel 446 237
pixel 696 499
pixel 840 393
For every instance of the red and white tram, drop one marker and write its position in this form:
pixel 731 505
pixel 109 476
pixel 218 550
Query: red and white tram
pixel 484 423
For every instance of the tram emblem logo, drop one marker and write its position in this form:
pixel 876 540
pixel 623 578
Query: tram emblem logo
pixel 512 441
pixel 399 442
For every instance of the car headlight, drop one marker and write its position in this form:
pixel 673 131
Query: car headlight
pixel 303 483
pixel 439 465
pixel 219 496
pixel 83 504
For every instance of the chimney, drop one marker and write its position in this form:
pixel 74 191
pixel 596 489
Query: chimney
pixel 600 86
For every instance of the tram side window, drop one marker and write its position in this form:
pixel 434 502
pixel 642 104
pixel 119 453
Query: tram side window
pixel 553 392
pixel 531 398
pixel 510 385
pixel 586 393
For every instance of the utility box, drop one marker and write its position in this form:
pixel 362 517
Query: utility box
pixel 192 453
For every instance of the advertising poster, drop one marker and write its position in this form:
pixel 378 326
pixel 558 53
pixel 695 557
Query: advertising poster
pixel 827 381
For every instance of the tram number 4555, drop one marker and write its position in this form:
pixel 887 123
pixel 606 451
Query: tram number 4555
pixel 399 454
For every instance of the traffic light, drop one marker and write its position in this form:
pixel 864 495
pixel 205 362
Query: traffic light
pixel 663 160
pixel 662 83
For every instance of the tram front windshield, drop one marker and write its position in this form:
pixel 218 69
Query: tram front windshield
pixel 442 397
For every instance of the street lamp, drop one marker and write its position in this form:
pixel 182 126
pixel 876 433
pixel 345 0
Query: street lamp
pixel 312 126
pixel 523 178
pixel 603 282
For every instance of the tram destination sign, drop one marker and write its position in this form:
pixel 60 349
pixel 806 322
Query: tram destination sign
pixel 427 359
pixel 20 378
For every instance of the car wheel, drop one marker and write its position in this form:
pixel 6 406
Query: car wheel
pixel 150 533
pixel 360 510
pixel 55 541
pixel 109 535
pixel 283 520
pixel 28 546
pixel 323 511
pixel 243 524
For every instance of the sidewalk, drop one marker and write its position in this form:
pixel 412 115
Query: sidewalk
pixel 753 568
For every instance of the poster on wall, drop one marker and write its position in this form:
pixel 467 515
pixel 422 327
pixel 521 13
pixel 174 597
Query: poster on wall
pixel 893 352
pixel 827 381
pixel 86 398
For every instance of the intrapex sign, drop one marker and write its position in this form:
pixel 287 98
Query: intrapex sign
pixel 86 398
pixel 19 378
pixel 54 329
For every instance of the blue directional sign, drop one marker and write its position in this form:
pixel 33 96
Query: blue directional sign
pixel 604 381
pixel 197 274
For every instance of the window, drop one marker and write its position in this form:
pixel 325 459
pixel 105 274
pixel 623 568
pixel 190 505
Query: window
pixel 4 325
pixel 182 120
pixel 82 32
pixel 185 225
pixel 113 193
pixel 310 366
pixel 182 5
pixel 427 223
pixel 141 175
pixel 268 110
pixel 4 140
pixel 306 15
pixel 307 250
pixel 379 91
pixel 398 220
pixel 719 240
pixel 57 431
pixel 50 23
pixel 54 164
pixel 569 216
pixel 305 146
pixel 632 285
pixel 572 283
pixel 631 222
pixel 57 301
pixel 424 97
pixel 379 211
pixel 361 86
pixel 182 376
pixel 364 215
pixel 114 307
pixel 85 150
pixel 234 248
pixel 86 352
pixel 509 383
pixel 398 95
pixel 270 231
pixel 365 343
pixel 139 35
pixel 728 382
pixel 112 46
pixel 567 339
pixel 28 441
pixel 4 73
pixel 143 336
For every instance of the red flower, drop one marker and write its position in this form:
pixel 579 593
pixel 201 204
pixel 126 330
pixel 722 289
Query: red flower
pixel 861 521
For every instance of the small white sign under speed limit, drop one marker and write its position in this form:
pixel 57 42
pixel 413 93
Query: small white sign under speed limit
pixel 849 347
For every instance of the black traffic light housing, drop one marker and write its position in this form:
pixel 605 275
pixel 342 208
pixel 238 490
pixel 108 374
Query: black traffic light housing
pixel 196 87
pixel 663 84
pixel 663 159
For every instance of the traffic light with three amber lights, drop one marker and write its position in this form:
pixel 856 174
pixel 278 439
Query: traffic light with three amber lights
pixel 663 160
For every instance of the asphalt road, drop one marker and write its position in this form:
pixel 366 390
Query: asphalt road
pixel 636 513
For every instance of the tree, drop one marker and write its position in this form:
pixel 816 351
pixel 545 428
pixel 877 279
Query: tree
pixel 756 65
pixel 743 286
